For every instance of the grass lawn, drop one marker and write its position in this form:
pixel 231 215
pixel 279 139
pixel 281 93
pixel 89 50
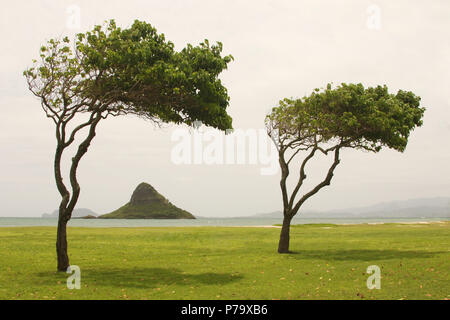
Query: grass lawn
pixel 329 262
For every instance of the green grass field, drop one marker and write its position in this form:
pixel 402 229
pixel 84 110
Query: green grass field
pixel 329 262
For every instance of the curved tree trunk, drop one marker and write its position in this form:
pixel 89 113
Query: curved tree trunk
pixel 61 234
pixel 289 209
pixel 61 245
pixel 283 245
pixel 68 203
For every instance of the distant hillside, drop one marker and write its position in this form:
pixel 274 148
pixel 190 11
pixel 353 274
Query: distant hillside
pixel 77 213
pixel 413 208
pixel 147 203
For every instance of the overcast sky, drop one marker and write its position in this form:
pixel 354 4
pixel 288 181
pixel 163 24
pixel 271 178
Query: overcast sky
pixel 281 49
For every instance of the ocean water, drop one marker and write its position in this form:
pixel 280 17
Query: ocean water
pixel 213 222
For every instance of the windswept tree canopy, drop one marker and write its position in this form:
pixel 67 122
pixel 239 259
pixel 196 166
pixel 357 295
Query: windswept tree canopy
pixel 132 71
pixel 349 116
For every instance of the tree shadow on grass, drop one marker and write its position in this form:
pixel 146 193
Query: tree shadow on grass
pixel 145 278
pixel 362 254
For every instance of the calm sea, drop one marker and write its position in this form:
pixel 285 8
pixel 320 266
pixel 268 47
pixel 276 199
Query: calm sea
pixel 218 222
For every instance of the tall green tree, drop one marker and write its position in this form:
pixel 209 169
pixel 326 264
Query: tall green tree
pixel 329 120
pixel 110 71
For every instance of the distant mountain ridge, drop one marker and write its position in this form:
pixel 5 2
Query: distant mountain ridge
pixel 438 207
pixel 77 213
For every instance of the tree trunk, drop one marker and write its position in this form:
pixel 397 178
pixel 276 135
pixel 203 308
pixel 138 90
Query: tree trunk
pixel 68 203
pixel 283 245
pixel 61 245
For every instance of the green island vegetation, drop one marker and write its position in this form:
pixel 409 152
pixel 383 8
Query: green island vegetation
pixel 147 203
pixel 327 262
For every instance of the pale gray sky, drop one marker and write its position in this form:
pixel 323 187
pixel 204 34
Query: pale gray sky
pixel 281 49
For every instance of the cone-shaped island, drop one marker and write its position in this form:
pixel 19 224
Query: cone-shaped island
pixel 147 203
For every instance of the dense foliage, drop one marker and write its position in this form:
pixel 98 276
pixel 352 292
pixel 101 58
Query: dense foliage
pixel 368 118
pixel 132 71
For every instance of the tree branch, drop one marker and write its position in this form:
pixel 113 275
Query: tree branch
pixel 82 149
pixel 325 182
pixel 301 178
pixel 284 175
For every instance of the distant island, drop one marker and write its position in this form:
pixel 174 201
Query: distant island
pixel 147 203
pixel 77 213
